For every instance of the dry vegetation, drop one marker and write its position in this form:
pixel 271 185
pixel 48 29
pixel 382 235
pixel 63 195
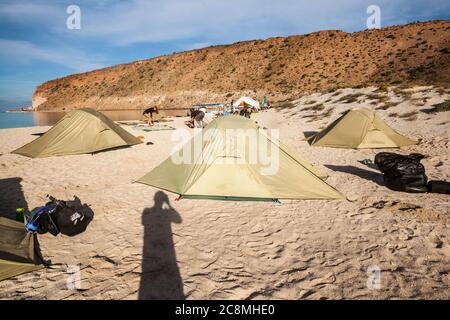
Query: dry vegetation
pixel 442 107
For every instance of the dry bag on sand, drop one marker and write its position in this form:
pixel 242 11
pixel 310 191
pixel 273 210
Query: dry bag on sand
pixel 57 216
pixel 402 173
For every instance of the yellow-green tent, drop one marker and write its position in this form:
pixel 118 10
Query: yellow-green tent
pixel 359 129
pixel 226 167
pixel 80 131
pixel 17 250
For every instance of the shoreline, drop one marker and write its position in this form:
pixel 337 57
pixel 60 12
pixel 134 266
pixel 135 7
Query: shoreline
pixel 17 111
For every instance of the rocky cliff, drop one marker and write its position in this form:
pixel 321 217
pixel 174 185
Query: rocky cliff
pixel 281 68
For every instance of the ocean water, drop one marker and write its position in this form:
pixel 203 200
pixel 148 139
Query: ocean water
pixel 31 119
pixel 16 120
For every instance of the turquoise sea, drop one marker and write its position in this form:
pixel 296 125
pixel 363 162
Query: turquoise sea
pixel 16 119
pixel 40 118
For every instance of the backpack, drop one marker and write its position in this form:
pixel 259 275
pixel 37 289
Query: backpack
pixel 402 173
pixel 59 217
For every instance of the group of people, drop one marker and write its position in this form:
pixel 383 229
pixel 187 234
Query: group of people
pixel 197 115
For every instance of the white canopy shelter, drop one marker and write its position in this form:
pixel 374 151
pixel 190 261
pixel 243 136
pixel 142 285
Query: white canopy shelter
pixel 246 100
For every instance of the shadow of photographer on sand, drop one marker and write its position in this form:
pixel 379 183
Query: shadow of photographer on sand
pixel 160 277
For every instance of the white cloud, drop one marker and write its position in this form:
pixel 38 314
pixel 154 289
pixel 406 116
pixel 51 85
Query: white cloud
pixel 24 52
pixel 19 9
pixel 198 45
pixel 162 20
pixel 202 21
pixel 36 13
pixel 154 21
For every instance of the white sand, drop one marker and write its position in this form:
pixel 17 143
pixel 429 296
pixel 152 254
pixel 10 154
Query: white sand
pixel 241 250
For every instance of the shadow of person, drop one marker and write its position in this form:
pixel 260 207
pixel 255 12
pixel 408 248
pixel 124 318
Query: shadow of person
pixel 160 277
pixel 11 197
pixel 362 173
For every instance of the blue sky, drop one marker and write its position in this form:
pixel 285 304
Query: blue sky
pixel 36 45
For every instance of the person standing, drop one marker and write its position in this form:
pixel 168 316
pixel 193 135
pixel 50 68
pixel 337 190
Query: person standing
pixel 265 106
pixel 232 108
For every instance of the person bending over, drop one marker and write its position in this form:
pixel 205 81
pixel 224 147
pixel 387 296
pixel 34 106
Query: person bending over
pixel 197 118
pixel 148 113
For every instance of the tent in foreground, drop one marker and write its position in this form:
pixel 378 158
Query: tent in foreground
pixel 359 129
pixel 80 131
pixel 18 254
pixel 226 167
pixel 247 101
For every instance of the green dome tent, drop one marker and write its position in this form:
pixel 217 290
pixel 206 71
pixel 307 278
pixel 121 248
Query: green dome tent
pixel 18 254
pixel 223 171
pixel 80 131
pixel 359 129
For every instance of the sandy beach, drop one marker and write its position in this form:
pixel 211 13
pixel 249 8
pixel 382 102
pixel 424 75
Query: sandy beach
pixel 140 246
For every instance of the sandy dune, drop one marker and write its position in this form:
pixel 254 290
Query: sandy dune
pixel 143 243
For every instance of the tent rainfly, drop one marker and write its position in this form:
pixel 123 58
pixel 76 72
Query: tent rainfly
pixel 359 129
pixel 80 131
pixel 18 254
pixel 222 171
pixel 247 100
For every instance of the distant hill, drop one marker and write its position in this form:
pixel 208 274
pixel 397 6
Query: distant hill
pixel 281 68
